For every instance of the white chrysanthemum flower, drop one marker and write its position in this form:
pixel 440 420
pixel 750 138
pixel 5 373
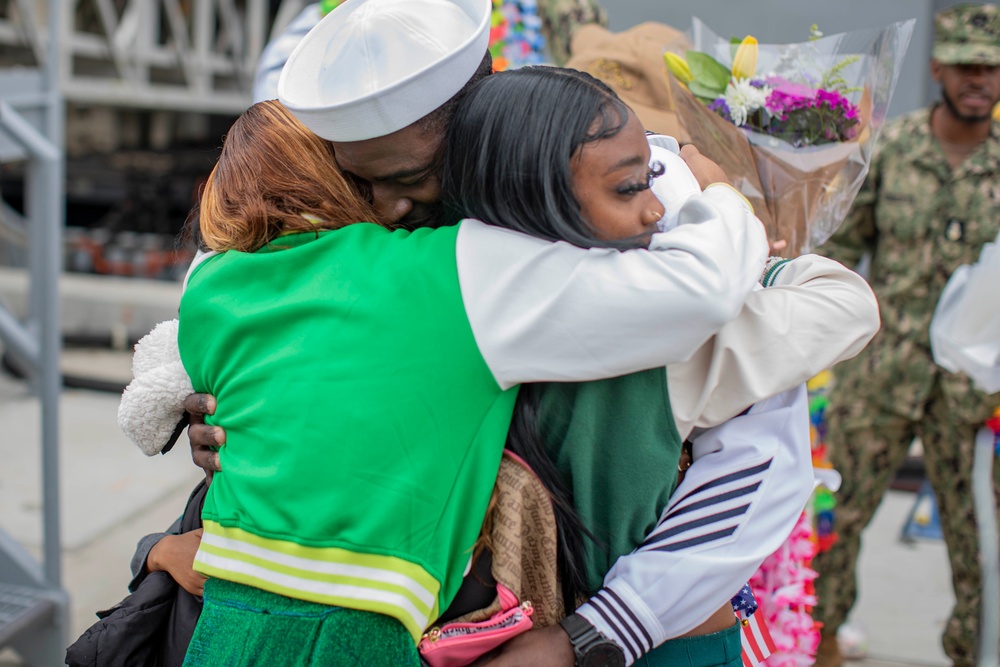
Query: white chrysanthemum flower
pixel 742 98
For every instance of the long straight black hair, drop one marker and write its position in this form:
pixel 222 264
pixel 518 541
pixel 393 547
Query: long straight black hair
pixel 507 162
pixel 509 149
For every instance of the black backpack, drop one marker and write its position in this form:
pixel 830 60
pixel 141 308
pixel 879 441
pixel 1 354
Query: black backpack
pixel 153 626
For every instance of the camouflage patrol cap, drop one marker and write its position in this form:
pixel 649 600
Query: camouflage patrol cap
pixel 967 34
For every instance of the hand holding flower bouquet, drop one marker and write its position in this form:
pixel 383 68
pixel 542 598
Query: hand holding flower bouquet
pixel 793 125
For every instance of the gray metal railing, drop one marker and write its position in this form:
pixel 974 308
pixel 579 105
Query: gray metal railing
pixel 196 56
pixel 34 608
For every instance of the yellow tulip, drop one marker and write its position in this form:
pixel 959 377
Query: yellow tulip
pixel 678 67
pixel 745 60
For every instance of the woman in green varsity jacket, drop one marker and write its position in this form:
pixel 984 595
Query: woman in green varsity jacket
pixel 366 379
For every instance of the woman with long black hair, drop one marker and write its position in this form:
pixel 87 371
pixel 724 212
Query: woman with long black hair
pixel 554 153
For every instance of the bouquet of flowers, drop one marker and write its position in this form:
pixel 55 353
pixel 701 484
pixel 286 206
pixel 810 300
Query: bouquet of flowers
pixel 793 125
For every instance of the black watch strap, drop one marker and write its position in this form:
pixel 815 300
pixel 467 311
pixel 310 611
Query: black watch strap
pixel 592 649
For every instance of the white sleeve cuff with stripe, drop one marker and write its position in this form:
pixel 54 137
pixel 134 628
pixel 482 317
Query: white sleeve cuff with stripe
pixel 619 614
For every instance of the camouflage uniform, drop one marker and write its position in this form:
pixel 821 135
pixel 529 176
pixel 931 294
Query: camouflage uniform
pixel 561 18
pixel 920 219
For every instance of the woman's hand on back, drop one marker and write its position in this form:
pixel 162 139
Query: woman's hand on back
pixel 706 171
pixel 203 436
pixel 174 554
pixel 548 646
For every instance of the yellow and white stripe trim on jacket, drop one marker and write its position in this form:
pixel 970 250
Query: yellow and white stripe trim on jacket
pixel 326 575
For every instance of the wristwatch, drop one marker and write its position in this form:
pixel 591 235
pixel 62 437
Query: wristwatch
pixel 592 649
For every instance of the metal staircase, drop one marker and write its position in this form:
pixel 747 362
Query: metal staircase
pixel 31 621
pixel 34 608
pixel 193 56
pixel 180 55
pixel 21 610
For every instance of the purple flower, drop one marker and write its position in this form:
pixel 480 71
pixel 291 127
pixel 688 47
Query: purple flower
pixel 780 102
pixel 832 98
pixel 795 112
pixel 719 106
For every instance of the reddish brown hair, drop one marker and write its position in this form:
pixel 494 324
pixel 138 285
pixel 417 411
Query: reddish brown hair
pixel 274 176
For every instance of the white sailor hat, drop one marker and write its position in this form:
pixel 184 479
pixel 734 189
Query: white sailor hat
pixel 372 67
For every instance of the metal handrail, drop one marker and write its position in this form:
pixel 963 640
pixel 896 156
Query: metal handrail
pixel 38 628
pixel 45 199
pixel 198 60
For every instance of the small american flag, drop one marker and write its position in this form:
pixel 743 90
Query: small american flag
pixel 754 637
pixel 756 640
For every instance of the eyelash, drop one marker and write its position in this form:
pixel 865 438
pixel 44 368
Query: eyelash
pixel 655 171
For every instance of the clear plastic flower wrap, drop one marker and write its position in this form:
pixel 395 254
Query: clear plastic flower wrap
pixel 965 330
pixel 793 125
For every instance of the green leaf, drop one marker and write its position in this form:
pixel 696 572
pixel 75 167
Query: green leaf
pixel 708 71
pixel 700 90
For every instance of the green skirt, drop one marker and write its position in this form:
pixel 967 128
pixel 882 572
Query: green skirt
pixel 241 625
pixel 719 649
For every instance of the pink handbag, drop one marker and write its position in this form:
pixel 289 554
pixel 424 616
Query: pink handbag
pixel 460 644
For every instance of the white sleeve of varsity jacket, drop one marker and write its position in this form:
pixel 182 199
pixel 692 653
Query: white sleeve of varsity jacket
pixel 739 501
pixel 814 313
pixel 552 311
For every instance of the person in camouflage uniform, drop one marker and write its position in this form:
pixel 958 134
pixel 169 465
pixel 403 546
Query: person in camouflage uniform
pixel 561 18
pixel 930 202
